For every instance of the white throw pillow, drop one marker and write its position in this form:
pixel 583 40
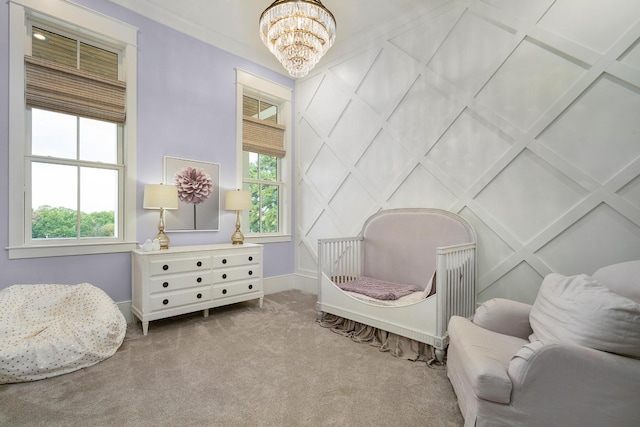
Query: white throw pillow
pixel 580 310
pixel 623 279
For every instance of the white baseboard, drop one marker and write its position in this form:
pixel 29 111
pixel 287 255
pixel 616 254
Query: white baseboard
pixel 275 284
pixel 305 283
pixel 272 285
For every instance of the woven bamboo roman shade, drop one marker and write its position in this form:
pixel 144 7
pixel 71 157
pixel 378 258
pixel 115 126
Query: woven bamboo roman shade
pixel 65 89
pixel 260 136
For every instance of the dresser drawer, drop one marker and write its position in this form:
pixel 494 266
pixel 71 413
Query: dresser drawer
pixel 236 273
pixel 178 265
pixel 178 298
pixel 173 282
pixel 235 288
pixel 231 260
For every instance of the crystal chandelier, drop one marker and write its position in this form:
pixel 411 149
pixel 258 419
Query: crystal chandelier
pixel 298 33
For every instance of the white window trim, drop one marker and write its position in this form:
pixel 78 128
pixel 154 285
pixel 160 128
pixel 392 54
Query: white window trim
pixel 260 86
pixel 61 12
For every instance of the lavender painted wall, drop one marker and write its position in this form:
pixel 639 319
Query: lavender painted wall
pixel 186 108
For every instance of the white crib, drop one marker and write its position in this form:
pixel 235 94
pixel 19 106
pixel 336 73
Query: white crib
pixel 403 246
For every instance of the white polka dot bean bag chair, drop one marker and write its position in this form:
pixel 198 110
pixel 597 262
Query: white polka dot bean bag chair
pixel 49 330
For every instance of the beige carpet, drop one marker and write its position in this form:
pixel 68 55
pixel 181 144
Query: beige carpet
pixel 242 366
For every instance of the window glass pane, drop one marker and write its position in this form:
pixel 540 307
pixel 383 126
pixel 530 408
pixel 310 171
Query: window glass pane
pixel 268 112
pixel 53 134
pixel 254 214
pixel 98 61
pixel 54 47
pixel 54 201
pixel 98 202
pixel 267 168
pixel 98 141
pixel 252 170
pixel 261 166
pixel 269 208
pixel 259 109
pixel 264 214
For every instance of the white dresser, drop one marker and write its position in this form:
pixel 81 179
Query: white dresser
pixel 185 279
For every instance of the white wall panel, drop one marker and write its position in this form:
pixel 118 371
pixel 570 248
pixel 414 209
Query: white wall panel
pixel 351 135
pixel 383 150
pixel 596 24
pixel 350 202
pixel 520 10
pixel 312 141
pixel 387 81
pixel 521 115
pixel 603 236
pixel 632 56
pixel 423 40
pixel 470 145
pixel 421 189
pixel 631 192
pixel 528 195
pixel 353 69
pixel 325 173
pixel 469 50
pixel 495 249
pixel 520 283
pixel 417 118
pixel 330 94
pixel 528 83
pixel 583 134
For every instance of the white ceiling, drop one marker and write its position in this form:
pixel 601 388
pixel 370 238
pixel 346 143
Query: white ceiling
pixel 232 25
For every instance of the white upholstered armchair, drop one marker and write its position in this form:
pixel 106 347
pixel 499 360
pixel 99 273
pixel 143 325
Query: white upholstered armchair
pixel 570 359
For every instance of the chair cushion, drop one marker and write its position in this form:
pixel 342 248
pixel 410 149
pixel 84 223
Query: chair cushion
pixel 580 310
pixel 484 357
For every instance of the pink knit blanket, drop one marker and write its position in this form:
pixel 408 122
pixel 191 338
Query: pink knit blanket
pixel 378 289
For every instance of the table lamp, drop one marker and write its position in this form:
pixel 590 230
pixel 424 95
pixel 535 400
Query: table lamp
pixel 238 200
pixel 160 196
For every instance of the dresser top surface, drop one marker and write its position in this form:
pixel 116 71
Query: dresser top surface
pixel 195 248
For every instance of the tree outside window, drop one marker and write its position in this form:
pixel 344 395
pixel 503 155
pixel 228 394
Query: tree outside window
pixel 265 194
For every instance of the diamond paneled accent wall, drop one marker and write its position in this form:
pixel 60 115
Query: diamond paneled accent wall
pixel 522 116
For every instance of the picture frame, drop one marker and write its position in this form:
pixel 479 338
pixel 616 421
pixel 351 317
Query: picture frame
pixel 198 185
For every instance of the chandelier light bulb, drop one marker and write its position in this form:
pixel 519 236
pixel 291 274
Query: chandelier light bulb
pixel 298 33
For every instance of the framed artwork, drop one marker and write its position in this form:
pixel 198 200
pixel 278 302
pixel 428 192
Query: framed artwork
pixel 198 193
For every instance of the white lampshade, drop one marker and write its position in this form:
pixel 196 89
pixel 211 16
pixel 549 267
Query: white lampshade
pixel 158 196
pixel 238 200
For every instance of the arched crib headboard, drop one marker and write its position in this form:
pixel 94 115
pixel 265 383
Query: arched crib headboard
pixel 400 244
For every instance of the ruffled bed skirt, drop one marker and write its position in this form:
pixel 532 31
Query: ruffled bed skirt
pixel 396 345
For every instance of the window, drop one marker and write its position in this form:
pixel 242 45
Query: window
pixel 265 113
pixel 75 176
pixel 72 177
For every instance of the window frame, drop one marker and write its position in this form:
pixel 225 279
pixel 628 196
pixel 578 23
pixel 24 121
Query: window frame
pixel 84 24
pixel 254 86
pixel 247 182
pixel 30 159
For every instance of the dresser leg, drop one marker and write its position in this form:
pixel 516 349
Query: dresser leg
pixel 261 302
pixel 205 312
pixel 145 328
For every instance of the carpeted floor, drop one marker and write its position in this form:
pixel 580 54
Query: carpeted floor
pixel 242 366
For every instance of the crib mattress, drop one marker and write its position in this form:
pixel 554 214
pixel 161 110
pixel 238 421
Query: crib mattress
pixel 405 300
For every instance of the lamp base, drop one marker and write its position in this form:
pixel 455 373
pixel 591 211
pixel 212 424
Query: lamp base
pixel 237 238
pixel 163 239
